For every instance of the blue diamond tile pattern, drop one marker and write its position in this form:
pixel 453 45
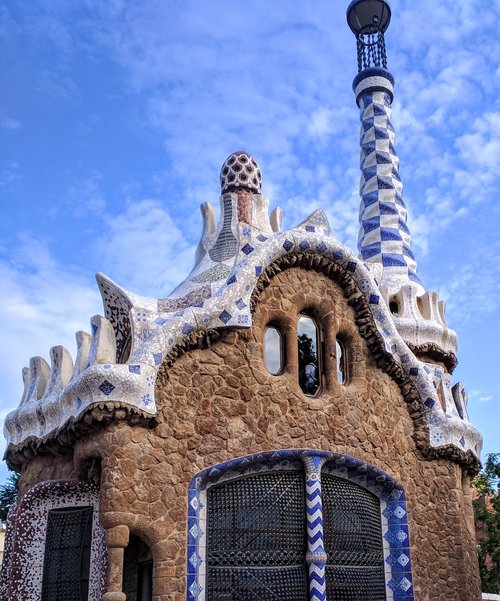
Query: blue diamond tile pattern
pixel 225 316
pixel 187 328
pixel 106 387
pixel 384 236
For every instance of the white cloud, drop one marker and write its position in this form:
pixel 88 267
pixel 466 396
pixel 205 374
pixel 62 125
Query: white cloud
pixel 43 303
pixel 9 173
pixel 9 123
pixel 144 250
pixel 85 196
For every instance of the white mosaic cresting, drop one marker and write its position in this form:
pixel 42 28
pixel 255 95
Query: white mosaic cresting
pixel 61 394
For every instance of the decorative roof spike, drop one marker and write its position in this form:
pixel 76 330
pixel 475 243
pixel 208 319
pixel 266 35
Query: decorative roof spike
pixel 384 236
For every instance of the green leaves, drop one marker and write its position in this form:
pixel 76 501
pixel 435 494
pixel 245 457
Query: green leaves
pixel 8 494
pixel 487 518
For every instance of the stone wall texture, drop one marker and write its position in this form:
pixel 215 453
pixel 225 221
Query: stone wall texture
pixel 220 402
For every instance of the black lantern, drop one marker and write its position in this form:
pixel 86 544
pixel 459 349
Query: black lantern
pixel 368 20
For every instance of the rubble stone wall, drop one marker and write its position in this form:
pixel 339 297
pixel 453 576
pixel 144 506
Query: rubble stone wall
pixel 219 403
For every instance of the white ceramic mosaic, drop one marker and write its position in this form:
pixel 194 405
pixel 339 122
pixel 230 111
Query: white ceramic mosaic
pixel 215 295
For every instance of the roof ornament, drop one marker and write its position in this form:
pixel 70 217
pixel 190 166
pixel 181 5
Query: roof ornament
pixel 368 20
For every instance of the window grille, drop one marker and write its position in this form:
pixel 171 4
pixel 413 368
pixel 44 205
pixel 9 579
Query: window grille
pixel 256 539
pixel 67 554
pixel 352 533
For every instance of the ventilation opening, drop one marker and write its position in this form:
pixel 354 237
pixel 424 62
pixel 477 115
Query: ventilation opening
pixel 394 306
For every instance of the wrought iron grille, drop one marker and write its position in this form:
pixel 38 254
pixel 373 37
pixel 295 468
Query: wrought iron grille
pixel 353 541
pixel 256 538
pixel 371 50
pixel 67 554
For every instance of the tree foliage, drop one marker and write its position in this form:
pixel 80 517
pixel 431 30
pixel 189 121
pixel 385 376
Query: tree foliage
pixel 8 495
pixel 487 516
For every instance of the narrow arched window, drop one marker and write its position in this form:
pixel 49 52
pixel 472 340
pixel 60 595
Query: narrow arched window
pixel 309 359
pixel 273 350
pixel 341 359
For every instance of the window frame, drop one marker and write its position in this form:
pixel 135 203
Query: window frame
pixel 320 343
pixel 393 511
pixel 282 354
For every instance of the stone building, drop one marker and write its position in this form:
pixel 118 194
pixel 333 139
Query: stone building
pixel 283 425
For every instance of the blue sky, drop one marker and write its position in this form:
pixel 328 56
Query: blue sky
pixel 115 117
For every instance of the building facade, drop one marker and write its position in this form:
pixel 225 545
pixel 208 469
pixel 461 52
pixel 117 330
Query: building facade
pixel 282 426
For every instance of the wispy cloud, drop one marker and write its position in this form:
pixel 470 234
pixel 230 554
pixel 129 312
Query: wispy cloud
pixel 9 123
pixel 143 249
pixel 9 173
pixel 85 196
pixel 43 303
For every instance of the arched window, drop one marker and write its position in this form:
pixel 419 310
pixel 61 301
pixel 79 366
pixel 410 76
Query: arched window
pixel 296 526
pixel 273 350
pixel 342 361
pixel 308 341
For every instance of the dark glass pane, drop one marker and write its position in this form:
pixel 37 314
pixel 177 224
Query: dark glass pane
pixel 307 338
pixel 273 350
pixel 256 538
pixel 67 554
pixel 353 541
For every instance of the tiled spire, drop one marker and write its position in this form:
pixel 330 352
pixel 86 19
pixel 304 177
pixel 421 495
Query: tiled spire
pixel 384 236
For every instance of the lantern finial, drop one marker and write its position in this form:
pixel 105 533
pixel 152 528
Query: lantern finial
pixel 368 20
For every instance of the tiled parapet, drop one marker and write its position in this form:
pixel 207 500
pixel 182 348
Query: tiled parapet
pixel 420 318
pixel 384 236
pixel 157 333
pixel 448 420
pixel 57 395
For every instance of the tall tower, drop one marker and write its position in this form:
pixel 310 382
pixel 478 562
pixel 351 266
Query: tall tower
pixel 384 237
pixel 384 240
